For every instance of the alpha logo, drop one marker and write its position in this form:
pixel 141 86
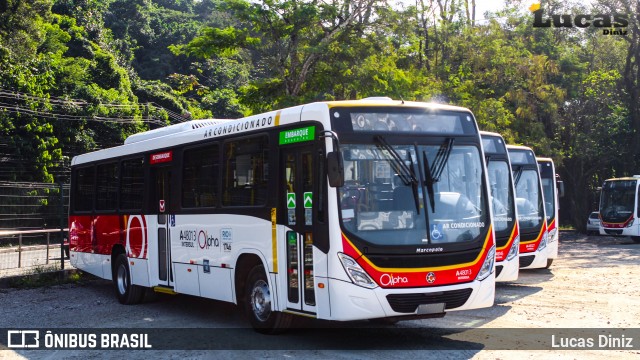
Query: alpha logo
pixel 431 277
pixel 390 280
pixel 616 23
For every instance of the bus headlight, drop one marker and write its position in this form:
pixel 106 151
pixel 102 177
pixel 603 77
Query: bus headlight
pixel 552 235
pixel 543 243
pixel 487 266
pixel 515 247
pixel 630 223
pixel 356 273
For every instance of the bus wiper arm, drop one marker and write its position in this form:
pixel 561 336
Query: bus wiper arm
pixel 517 175
pixel 399 165
pixel 408 175
pixel 442 157
pixel 429 181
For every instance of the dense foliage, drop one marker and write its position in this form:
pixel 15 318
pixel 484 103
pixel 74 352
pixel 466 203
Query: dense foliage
pixel 78 75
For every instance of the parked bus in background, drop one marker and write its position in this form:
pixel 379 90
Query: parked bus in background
pixel 505 218
pixel 369 209
pixel 619 212
pixel 532 219
pixel 552 189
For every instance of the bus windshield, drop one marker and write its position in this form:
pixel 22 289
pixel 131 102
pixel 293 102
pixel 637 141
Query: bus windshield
pixel 528 199
pixel 617 200
pixel 548 182
pixel 503 207
pixel 413 194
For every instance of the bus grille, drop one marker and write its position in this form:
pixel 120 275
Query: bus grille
pixel 526 260
pixel 408 303
pixel 498 270
pixel 613 232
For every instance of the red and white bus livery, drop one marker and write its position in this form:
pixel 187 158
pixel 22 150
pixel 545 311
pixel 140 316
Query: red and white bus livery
pixel 532 219
pixel 335 210
pixel 553 189
pixel 620 207
pixel 505 214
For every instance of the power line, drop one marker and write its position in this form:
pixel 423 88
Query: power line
pixel 15 95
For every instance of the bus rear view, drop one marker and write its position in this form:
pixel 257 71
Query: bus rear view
pixel 530 203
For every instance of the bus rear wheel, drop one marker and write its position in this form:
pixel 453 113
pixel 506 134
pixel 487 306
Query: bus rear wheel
pixel 258 304
pixel 126 292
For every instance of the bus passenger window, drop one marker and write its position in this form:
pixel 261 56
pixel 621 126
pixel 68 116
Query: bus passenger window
pixel 132 189
pixel 84 188
pixel 246 172
pixel 200 177
pixel 107 187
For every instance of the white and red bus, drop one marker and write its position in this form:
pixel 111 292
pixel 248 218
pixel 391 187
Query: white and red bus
pixel 532 219
pixel 552 188
pixel 505 215
pixel 369 209
pixel 620 207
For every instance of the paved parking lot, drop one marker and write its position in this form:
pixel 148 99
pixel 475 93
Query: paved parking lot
pixel 593 285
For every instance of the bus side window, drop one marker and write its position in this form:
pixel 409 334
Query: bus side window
pixel 107 187
pixel 246 172
pixel 84 188
pixel 132 188
pixel 200 177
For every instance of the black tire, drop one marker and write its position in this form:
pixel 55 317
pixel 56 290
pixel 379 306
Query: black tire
pixel 126 292
pixel 636 239
pixel 257 305
pixel 549 262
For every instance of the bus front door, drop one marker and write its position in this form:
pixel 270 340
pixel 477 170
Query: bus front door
pixel 297 212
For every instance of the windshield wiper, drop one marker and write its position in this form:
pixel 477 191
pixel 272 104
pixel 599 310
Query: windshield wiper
pixel 442 157
pixel 429 181
pixel 517 175
pixel 407 174
pixel 434 172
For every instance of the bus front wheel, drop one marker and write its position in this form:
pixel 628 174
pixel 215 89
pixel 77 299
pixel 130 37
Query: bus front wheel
pixel 126 292
pixel 636 239
pixel 258 304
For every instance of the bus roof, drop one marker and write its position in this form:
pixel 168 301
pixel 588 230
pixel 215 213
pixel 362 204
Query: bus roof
pixel 518 147
pixel 490 133
pixel 544 159
pixel 194 130
pixel 626 178
pixel 377 101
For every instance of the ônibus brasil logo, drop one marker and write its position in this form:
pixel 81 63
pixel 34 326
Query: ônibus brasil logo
pixel 612 24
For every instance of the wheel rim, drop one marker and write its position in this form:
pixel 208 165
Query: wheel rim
pixel 261 300
pixel 123 282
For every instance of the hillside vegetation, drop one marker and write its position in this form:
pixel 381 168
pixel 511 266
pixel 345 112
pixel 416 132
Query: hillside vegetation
pixel 80 75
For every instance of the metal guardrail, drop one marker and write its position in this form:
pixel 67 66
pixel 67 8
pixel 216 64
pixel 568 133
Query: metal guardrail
pixel 63 244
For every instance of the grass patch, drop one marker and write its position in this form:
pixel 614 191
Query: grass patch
pixel 47 275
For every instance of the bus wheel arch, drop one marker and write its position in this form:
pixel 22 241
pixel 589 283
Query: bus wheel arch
pixel 126 292
pixel 254 294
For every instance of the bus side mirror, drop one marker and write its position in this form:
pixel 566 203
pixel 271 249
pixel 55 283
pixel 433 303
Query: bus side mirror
pixel 560 188
pixel 335 169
